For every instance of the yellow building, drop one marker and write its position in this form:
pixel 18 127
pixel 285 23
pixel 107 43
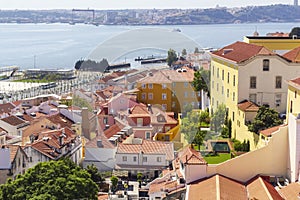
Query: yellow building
pixel 275 44
pixel 243 71
pixel 171 89
pixel 293 99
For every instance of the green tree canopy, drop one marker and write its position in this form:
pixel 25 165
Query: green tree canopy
pixel 183 52
pixel 218 118
pixel 295 31
pixel 201 81
pixel 264 119
pixel 55 180
pixel 191 128
pixel 172 57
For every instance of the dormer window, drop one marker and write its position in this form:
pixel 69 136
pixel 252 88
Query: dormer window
pixel 266 65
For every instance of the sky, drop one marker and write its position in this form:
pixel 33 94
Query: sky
pixel 134 4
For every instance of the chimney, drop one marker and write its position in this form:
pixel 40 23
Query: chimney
pixel 85 123
pixel 61 140
pixel 99 144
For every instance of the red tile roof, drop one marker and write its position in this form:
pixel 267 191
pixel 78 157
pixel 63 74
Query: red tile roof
pixel 241 51
pixel 59 119
pixel 148 147
pixel 190 156
pixel 293 55
pixel 268 132
pixel 259 188
pixel 6 107
pixel 217 187
pixel 296 81
pixel 13 120
pixel 291 191
pixel 113 130
pixel 248 106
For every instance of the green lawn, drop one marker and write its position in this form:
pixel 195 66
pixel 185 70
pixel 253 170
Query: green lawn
pixel 221 157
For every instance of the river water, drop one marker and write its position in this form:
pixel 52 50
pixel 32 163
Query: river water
pixel 58 46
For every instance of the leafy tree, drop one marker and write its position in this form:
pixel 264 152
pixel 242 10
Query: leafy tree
pixel 196 50
pixel 201 81
pixel 172 57
pixel 218 118
pixel 295 31
pixel 114 182
pixel 95 175
pixel 55 180
pixel 139 177
pixel 183 53
pixel 78 64
pixel 264 119
pixel 191 128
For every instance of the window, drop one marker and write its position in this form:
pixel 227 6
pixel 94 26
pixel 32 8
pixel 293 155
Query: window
pixel 213 70
pixel 173 93
pixel 185 94
pixel 158 159
pixel 227 93
pixel 163 86
pixel 233 96
pixel 144 86
pixel 278 82
pixel 139 121
pixel 134 158
pixel 164 106
pixel 199 94
pixel 295 94
pixel 173 104
pixel 218 73
pixel 150 85
pixel 150 95
pixel 193 94
pixel 148 135
pixel 233 80
pixel 186 84
pixel 163 96
pixel 212 102
pixel 222 74
pixel 173 84
pixel 266 65
pixel 253 82
pixel 228 77
pixel 217 87
pixel 105 120
pixel 233 116
pixel 143 95
pixel 277 100
pixel 124 158
pixel 291 107
pixel 222 89
pixel 144 159
pixel 252 98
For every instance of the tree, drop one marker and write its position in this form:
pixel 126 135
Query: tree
pixel 139 177
pixel 218 118
pixel 114 182
pixel 95 175
pixel 172 57
pixel 264 119
pixel 78 64
pixel 196 50
pixel 191 128
pixel 183 53
pixel 295 31
pixel 201 81
pixel 57 180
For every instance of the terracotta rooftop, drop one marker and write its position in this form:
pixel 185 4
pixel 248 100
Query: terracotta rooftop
pixel 113 130
pixel 13 120
pixel 61 120
pixel 190 156
pixel 48 142
pixel 259 188
pixel 217 187
pixel 148 147
pixel 156 78
pixel 164 186
pixel 268 132
pixel 293 55
pixel 291 191
pixel 6 107
pixel 295 83
pixel 248 106
pixel 139 110
pixel 241 51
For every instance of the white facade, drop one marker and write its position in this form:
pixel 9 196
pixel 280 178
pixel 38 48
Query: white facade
pixel 102 158
pixel 141 160
pixel 13 130
pixel 294 147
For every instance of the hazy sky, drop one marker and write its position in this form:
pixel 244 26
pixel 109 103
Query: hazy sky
pixel 123 4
